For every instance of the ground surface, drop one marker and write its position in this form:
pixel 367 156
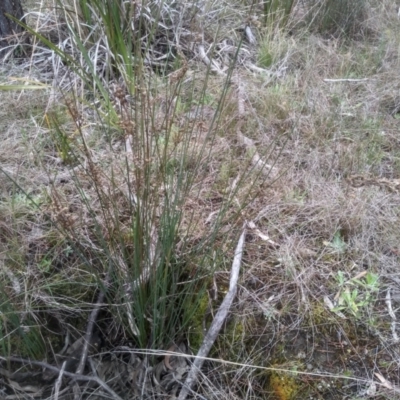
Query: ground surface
pixel 317 305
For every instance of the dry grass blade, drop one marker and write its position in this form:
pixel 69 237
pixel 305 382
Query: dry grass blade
pixel 77 377
pixel 162 127
pixel 256 160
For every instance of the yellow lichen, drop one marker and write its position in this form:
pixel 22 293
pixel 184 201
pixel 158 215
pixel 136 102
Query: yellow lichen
pixel 283 386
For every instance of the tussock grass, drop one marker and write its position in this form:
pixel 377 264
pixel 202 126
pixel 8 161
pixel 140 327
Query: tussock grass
pixel 337 17
pixel 132 172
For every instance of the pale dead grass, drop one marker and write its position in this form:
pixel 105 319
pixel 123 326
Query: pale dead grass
pixel 336 130
pixel 324 133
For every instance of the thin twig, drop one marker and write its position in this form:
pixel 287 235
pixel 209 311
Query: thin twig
pixel 90 325
pixel 217 322
pixel 346 80
pixel 57 385
pixel 71 375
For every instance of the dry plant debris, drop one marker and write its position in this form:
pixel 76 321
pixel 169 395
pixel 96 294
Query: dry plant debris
pixel 288 125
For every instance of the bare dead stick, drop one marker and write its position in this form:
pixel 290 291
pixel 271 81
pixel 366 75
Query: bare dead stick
pixel 217 322
pixel 92 321
pixel 59 381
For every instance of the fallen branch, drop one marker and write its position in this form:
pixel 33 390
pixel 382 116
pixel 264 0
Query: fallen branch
pixel 217 322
